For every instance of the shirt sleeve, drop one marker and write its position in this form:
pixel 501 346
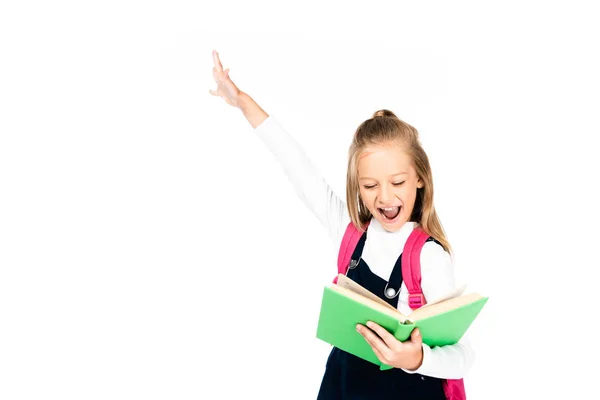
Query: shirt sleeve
pixel 437 280
pixel 307 181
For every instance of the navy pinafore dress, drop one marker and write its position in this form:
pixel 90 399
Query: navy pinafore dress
pixel 348 377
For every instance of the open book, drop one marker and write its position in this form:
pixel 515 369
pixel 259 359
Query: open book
pixel 346 304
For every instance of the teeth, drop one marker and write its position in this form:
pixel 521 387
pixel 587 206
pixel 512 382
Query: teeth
pixel 389 209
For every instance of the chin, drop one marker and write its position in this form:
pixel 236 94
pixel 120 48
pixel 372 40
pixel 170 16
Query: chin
pixel 393 227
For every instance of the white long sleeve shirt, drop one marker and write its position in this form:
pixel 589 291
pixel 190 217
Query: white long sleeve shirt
pixel 381 250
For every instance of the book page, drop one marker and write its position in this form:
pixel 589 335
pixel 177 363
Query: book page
pixel 455 293
pixel 367 301
pixel 443 306
pixel 349 284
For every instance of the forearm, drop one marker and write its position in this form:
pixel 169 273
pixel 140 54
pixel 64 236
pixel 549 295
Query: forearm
pixel 252 111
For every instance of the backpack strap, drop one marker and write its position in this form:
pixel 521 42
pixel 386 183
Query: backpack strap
pixel 411 267
pixel 411 260
pixel 349 242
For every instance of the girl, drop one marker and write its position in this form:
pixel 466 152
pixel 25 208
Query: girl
pixel 389 191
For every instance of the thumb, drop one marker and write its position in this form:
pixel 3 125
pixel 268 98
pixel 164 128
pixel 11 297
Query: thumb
pixel 415 336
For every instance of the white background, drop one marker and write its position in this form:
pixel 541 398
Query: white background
pixel 152 248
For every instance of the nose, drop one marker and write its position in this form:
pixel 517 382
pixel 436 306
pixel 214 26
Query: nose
pixel 386 194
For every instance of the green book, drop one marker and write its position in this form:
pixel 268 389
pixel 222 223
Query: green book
pixel 346 304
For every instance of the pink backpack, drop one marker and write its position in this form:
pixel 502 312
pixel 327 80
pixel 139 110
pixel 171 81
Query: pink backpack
pixel 411 276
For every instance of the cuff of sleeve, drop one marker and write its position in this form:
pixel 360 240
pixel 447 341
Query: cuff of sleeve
pixel 277 139
pixel 265 125
pixel 426 361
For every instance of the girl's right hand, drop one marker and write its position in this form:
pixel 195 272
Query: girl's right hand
pixel 225 86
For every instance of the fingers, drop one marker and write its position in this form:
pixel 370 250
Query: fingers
pixel 387 337
pixel 220 76
pixel 217 75
pixel 380 356
pixel 218 72
pixel 225 87
pixel 391 351
pixel 374 340
pixel 217 61
pixel 415 337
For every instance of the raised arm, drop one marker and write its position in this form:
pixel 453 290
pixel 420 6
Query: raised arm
pixel 310 186
pixel 306 179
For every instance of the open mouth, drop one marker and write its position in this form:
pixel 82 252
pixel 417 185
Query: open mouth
pixel 390 213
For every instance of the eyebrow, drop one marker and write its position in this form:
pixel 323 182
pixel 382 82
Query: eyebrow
pixel 399 173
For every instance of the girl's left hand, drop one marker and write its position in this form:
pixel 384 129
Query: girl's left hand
pixel 407 355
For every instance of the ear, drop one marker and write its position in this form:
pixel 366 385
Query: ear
pixel 420 184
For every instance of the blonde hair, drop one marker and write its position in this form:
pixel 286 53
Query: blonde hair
pixel 384 128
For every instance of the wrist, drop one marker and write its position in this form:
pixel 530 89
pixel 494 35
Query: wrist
pixel 251 110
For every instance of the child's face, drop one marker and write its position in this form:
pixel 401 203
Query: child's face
pixel 388 179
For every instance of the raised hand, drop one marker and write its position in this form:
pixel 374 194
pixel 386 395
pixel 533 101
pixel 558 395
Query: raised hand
pixel 225 86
